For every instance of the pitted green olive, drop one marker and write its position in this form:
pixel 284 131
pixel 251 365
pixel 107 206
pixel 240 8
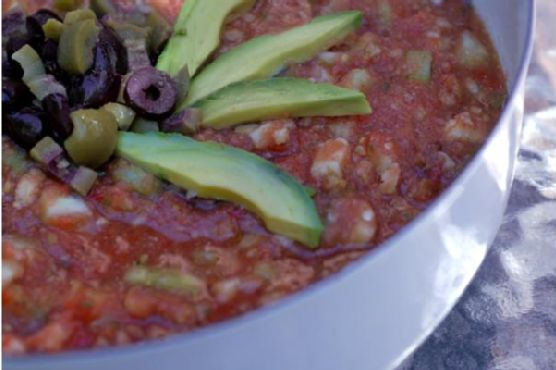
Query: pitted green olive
pixel 75 51
pixel 94 137
pixel 53 29
pixel 79 15
pixel 102 7
pixel 67 5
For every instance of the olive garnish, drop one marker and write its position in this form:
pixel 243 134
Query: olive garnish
pixel 98 88
pixel 49 55
pixel 110 52
pixel 10 68
pixel 58 112
pixel 151 93
pixel 44 15
pixel 15 95
pixel 13 24
pixel 34 25
pixel 26 127
pixel 34 31
pixel 94 137
pixel 52 158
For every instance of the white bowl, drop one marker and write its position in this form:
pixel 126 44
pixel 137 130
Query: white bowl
pixel 375 312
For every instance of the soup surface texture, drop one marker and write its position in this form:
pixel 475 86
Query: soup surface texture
pixel 65 256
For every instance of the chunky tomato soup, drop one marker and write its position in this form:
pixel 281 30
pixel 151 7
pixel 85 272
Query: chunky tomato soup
pixel 65 256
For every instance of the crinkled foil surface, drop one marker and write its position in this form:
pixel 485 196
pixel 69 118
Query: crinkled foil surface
pixel 506 319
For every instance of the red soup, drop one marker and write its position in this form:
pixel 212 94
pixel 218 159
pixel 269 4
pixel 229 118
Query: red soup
pixel 66 257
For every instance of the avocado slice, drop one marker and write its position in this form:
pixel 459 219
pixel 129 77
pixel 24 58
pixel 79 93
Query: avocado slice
pixel 275 98
pixel 264 56
pixel 217 171
pixel 197 33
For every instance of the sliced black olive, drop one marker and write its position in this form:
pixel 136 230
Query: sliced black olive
pixel 49 56
pixel 17 42
pixel 58 112
pixel 26 127
pixel 43 15
pixel 34 31
pixel 49 51
pixel 10 68
pixel 97 88
pixel 13 25
pixel 104 59
pixel 73 86
pixel 151 93
pixel 34 23
pixel 14 36
pixel 15 95
pixel 134 39
pixel 110 52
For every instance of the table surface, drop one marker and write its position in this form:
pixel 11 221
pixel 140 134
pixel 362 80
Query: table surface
pixel 506 319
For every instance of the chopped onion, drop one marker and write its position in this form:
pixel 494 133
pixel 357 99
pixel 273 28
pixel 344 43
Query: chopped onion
pixel 51 155
pixel 186 122
pixel 46 151
pixel 45 85
pixel 83 180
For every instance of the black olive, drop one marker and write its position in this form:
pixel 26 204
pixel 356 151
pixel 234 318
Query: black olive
pixel 34 23
pixel 26 127
pixel 111 52
pixel 73 88
pixel 150 92
pixel 49 56
pixel 34 31
pixel 57 110
pixel 17 42
pixel 96 89
pixel 104 58
pixel 49 51
pixel 13 25
pixel 14 36
pixel 15 95
pixel 43 15
pixel 11 68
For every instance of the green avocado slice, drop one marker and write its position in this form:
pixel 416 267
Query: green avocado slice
pixel 250 101
pixel 197 33
pixel 264 56
pixel 218 171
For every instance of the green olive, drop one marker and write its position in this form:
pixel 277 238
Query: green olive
pixel 53 29
pixel 79 15
pixel 102 7
pixel 67 5
pixel 94 137
pixel 123 114
pixel 75 51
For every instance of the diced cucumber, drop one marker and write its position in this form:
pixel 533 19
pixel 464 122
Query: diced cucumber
pixel 419 64
pixel 171 280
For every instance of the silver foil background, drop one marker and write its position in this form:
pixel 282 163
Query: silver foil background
pixel 506 319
